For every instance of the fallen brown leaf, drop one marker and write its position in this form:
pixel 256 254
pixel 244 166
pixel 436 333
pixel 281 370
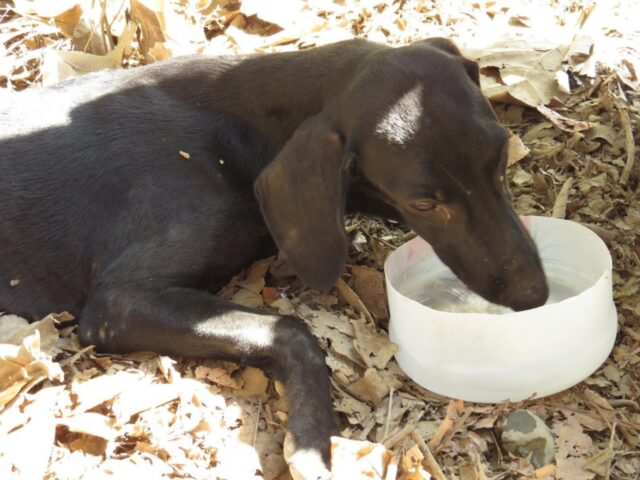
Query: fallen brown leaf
pixel 517 150
pixel 374 348
pixel 563 123
pixel 358 460
pixel 368 283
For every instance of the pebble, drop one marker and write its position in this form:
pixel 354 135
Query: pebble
pixel 526 435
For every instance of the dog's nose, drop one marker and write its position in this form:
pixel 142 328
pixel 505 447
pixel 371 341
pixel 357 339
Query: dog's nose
pixel 532 296
pixel 499 283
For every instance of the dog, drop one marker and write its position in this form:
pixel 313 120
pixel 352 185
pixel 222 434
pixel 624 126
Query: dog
pixel 127 197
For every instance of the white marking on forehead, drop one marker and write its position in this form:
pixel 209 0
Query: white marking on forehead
pixel 402 121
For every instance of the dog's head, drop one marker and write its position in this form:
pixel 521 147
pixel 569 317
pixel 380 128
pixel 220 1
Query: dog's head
pixel 413 135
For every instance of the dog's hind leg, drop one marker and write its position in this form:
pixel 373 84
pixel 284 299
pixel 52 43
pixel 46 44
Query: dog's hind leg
pixel 187 322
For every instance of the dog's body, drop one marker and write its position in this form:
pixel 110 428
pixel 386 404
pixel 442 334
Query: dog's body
pixel 103 214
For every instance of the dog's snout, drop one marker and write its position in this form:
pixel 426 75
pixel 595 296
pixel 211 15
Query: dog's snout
pixel 499 283
pixel 527 295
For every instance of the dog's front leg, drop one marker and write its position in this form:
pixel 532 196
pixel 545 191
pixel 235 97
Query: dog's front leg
pixel 193 323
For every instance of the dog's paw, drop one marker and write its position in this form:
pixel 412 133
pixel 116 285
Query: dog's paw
pixel 304 464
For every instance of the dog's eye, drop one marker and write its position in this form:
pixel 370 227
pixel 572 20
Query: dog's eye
pixel 424 204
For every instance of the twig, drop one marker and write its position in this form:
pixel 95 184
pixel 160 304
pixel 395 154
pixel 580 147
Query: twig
pixel 437 472
pixel 560 205
pixel 607 472
pixel 388 420
pixel 624 402
pixel 269 418
pixel 629 142
pixel 74 358
pixel 255 429
pixel 392 441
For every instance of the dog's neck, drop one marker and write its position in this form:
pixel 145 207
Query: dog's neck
pixel 284 90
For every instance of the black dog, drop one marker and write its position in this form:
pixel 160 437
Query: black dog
pixel 101 215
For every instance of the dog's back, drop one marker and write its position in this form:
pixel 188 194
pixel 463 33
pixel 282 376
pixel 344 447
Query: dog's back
pixel 88 167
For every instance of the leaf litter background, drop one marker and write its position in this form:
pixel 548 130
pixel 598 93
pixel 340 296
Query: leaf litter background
pixel 563 78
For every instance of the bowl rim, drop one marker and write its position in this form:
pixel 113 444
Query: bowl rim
pixel 527 220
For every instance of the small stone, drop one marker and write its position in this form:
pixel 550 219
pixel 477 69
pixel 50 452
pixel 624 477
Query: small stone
pixel 526 435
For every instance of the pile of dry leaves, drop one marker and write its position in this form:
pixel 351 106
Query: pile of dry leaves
pixel 563 79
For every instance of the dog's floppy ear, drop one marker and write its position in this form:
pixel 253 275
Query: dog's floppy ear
pixel 448 46
pixel 302 195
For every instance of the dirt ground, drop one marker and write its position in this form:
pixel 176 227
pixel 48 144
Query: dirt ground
pixel 562 76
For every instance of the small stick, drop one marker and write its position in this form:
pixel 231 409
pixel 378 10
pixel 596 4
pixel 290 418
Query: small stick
pixel 437 472
pixel 388 420
pixel 560 205
pixel 607 473
pixel 630 144
pixel 269 417
pixel 255 429
pixel 392 441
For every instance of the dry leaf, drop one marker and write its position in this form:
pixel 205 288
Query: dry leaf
pixel 104 388
pixel 571 439
pixel 375 349
pixel 573 446
pixel 355 410
pixel 572 468
pixel 90 423
pixel 67 21
pixel 284 306
pixel 255 382
pixel 124 44
pixel 23 366
pixel 141 397
pixel 546 471
pixel 43 8
pixel 259 269
pixel 526 70
pixel 248 297
pixel 517 150
pixel 25 451
pixel 560 205
pixel 600 462
pixel 166 365
pixel 563 123
pixel 353 299
pixel 59 65
pixel 284 13
pixel 336 329
pixel 368 283
pixel 358 460
pixel 344 370
pixel 412 458
pixel 46 328
pixel 10 326
pixel 218 375
pixel 371 387
pixel 150 23
pixel 604 132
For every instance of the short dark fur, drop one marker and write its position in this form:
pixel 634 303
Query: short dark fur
pixel 100 214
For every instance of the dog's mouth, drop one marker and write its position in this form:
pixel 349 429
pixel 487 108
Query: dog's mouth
pixel 506 270
pixel 520 287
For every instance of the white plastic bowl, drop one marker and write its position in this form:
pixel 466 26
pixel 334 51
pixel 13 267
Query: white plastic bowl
pixel 484 357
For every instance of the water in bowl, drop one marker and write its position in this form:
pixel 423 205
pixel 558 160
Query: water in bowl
pixel 440 290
